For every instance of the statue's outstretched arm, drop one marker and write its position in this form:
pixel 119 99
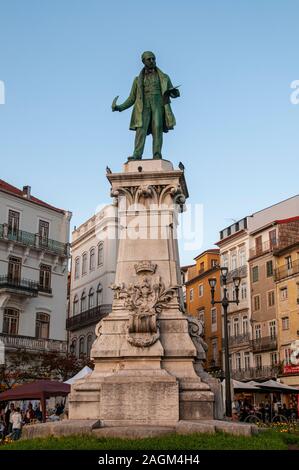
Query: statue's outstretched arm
pixel 129 101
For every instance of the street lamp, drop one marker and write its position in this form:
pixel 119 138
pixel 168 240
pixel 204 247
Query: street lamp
pixel 225 303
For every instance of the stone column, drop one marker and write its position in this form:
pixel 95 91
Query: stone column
pixel 143 353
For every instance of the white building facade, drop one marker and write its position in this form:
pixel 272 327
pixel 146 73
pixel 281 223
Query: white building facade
pixel 234 254
pixel 34 253
pixel 94 254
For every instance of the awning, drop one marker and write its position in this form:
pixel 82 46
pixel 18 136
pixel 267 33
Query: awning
pixel 80 375
pixel 38 390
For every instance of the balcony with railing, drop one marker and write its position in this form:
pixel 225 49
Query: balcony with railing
pixel 88 317
pixel 255 373
pixel 28 343
pixel 287 270
pixel 238 272
pixel 33 240
pixel 238 340
pixel 270 246
pixel 19 286
pixel 266 343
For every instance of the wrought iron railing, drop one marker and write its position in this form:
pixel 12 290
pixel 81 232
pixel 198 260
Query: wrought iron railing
pixel 238 272
pixel 33 344
pixel 252 373
pixel 287 270
pixel 26 285
pixel 266 343
pixel 238 340
pixel 272 245
pixel 88 317
pixel 33 240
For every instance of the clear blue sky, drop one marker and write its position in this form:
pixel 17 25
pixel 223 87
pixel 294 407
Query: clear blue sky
pixel 63 61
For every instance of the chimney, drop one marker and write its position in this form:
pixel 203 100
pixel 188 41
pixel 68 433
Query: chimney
pixel 27 191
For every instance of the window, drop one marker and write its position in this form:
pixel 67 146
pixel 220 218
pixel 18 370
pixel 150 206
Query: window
pixel 229 329
pixel 247 360
pixel 258 361
pixel 258 245
pixel 13 222
pixel 255 274
pixel 287 356
pixel 83 301
pixel 14 270
pixel 191 295
pixel 84 264
pixel 77 268
pixel 256 302
pixel 285 323
pixel 214 263
pixel 245 325
pixel 272 239
pixel 271 298
pixel 284 293
pixel 81 347
pixel 225 260
pixel 234 260
pixel 89 344
pixel 201 316
pixel 238 361
pixel 273 359
pixel 45 278
pixel 42 325
pixel 100 253
pixel 269 268
pixel 236 327
pixel 201 267
pixel 99 294
pixel 243 290
pixel 242 256
pixel 92 259
pixel 215 351
pixel 91 298
pixel 75 305
pixel 288 262
pixel 11 321
pixel 272 329
pixel 43 231
pixel 214 319
pixel 257 331
pixel 200 290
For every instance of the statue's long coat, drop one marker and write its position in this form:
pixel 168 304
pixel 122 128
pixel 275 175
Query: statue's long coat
pixel 136 99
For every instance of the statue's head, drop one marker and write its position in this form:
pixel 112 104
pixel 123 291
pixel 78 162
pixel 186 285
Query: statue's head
pixel 149 59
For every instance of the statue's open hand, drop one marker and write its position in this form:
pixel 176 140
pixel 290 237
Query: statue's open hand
pixel 114 105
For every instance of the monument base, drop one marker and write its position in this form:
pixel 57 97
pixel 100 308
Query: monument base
pixel 125 399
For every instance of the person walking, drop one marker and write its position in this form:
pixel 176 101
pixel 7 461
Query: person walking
pixel 16 419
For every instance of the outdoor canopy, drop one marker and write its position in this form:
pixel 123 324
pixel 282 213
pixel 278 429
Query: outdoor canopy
pixel 82 373
pixel 38 390
pixel 273 386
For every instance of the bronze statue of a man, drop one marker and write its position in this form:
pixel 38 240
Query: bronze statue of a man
pixel 152 114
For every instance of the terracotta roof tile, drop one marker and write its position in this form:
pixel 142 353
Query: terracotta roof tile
pixel 8 188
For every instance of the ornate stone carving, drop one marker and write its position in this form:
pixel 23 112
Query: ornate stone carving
pixel 145 267
pixel 144 301
pixel 195 329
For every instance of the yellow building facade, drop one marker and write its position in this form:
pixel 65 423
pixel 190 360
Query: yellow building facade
pixel 198 302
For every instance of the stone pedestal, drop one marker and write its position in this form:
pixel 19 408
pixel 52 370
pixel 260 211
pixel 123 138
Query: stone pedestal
pixel 144 356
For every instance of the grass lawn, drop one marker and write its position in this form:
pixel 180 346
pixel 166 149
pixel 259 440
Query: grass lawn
pixel 268 440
